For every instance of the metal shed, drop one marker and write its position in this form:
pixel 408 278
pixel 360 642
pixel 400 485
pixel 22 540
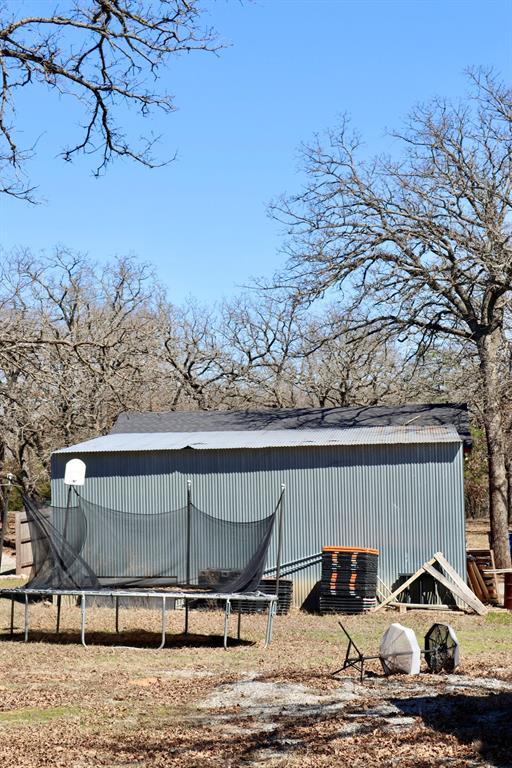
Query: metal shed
pixel 396 488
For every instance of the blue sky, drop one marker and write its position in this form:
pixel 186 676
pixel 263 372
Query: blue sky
pixel 292 68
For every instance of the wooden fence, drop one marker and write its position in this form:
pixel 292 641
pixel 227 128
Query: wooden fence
pixel 23 540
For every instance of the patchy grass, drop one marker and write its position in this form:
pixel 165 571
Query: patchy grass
pixel 63 705
pixel 37 715
pixel 500 618
pixel 10 582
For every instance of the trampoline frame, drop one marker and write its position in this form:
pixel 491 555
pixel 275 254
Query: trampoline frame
pixel 83 594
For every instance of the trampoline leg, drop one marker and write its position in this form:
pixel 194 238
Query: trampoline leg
pixel 239 625
pixel 12 617
pixel 227 613
pixel 59 602
pixel 272 607
pixel 186 616
pixel 83 617
pixel 117 613
pixel 163 625
pixel 26 617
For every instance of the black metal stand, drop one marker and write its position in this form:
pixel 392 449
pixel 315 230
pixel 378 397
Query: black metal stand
pixel 357 661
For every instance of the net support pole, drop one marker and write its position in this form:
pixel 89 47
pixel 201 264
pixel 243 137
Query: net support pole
pixel 280 538
pixel 66 516
pixel 189 520
pixel 189 516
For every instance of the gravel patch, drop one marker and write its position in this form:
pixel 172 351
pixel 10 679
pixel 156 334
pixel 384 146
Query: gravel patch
pixel 253 698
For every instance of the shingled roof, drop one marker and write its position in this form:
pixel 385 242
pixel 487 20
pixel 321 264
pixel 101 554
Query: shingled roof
pixel 427 415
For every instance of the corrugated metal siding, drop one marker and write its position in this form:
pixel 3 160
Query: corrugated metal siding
pixel 279 438
pixel 405 500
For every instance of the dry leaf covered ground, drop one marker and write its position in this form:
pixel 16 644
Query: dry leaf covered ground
pixel 194 704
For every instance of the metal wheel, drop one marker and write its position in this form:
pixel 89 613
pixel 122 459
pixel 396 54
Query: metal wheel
pixel 441 649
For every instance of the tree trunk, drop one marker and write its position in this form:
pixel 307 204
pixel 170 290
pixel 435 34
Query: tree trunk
pixel 508 465
pixel 488 349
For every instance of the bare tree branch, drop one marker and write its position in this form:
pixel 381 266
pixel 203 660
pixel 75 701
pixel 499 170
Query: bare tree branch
pixel 422 245
pixel 105 54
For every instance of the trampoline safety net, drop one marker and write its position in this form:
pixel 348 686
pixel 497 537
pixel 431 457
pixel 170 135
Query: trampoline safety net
pixel 87 546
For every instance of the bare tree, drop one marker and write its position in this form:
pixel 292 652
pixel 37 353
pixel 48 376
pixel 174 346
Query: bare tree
pixel 340 367
pixel 283 355
pixel 192 357
pixel 82 354
pixel 106 54
pixel 83 343
pixel 263 336
pixel 423 244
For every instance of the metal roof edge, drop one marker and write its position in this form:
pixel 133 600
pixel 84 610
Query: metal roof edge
pixel 254 440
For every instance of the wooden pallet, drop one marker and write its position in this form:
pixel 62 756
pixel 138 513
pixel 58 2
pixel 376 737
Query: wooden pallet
pixel 485 584
pixel 449 578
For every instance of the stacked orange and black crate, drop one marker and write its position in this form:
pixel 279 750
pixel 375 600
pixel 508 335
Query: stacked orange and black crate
pixel 349 579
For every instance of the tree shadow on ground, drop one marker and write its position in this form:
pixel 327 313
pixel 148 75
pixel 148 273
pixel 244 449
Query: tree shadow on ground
pixel 482 721
pixel 132 639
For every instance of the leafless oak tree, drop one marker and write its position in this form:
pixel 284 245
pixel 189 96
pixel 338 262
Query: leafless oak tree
pixel 341 367
pixel 83 343
pixel 421 245
pixel 262 335
pixel 107 55
pixel 84 336
pixel 192 357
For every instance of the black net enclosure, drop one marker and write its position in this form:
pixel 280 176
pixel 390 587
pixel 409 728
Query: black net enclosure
pixel 87 546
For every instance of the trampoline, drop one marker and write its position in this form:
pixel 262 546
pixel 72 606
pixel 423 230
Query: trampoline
pixel 24 595
pixel 89 551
